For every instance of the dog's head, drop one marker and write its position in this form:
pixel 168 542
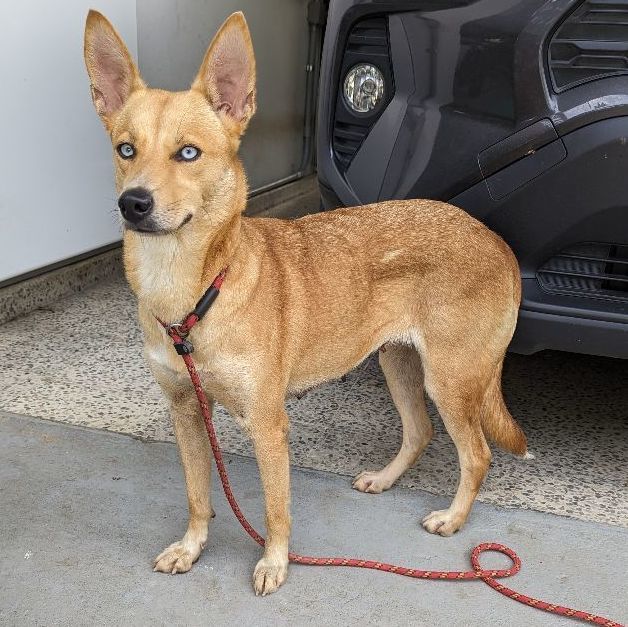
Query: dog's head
pixel 175 154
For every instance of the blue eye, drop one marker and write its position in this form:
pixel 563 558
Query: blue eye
pixel 188 153
pixel 126 150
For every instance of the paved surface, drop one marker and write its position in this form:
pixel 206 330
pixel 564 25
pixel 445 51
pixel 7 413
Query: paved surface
pixel 80 361
pixel 85 511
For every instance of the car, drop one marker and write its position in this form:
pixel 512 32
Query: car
pixel 515 111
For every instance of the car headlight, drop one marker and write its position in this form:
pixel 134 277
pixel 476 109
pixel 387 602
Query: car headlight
pixel 363 87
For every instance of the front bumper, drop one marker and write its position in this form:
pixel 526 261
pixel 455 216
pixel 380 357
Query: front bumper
pixel 539 331
pixel 548 321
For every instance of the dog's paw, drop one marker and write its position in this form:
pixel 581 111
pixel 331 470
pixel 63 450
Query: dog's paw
pixel 177 558
pixel 269 574
pixel 442 522
pixel 372 482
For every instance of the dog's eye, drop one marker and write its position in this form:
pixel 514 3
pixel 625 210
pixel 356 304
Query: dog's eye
pixel 188 153
pixel 126 151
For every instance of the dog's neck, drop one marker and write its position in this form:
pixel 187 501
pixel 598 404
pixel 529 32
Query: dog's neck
pixel 170 273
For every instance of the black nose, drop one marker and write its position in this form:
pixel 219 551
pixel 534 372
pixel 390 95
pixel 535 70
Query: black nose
pixel 135 204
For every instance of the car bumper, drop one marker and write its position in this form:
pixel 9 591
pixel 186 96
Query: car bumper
pixel 557 322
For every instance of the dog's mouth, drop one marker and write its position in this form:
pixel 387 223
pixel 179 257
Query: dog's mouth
pixel 150 227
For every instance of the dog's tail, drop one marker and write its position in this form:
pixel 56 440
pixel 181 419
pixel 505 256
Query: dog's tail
pixel 497 423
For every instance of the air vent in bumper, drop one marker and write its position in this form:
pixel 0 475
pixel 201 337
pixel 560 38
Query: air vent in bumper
pixel 367 42
pixel 347 139
pixel 591 43
pixel 588 269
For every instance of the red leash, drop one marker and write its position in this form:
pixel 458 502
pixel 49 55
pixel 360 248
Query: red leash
pixel 179 332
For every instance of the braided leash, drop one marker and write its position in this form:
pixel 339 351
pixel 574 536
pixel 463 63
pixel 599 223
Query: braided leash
pixel 179 332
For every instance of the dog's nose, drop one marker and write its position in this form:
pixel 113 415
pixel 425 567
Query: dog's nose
pixel 135 204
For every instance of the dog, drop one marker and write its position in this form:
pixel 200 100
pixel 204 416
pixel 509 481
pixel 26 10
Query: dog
pixel 304 301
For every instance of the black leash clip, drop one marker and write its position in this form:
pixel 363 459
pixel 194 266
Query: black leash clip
pixel 183 347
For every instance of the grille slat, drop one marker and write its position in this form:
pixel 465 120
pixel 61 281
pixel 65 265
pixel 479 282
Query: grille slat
pixel 588 269
pixel 585 258
pixel 591 43
pixel 371 33
pixel 347 139
pixel 587 275
pixel 347 134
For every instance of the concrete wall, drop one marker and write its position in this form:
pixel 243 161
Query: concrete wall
pixel 173 36
pixel 56 182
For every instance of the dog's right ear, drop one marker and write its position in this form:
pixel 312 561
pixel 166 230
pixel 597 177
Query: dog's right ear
pixel 111 70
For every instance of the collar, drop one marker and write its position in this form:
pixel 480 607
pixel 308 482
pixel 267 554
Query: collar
pixel 179 331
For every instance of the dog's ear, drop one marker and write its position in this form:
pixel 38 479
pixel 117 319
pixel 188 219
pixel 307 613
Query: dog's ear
pixel 111 70
pixel 227 74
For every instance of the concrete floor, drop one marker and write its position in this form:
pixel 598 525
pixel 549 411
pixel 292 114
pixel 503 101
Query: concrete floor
pixel 85 511
pixel 80 361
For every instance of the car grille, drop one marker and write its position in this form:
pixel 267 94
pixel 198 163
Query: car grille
pixel 591 43
pixel 367 42
pixel 347 140
pixel 588 269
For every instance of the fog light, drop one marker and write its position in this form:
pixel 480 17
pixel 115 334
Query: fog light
pixel 363 87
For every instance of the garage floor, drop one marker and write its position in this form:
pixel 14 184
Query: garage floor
pixel 84 510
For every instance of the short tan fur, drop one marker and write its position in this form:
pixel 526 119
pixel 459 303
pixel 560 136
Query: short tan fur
pixel 304 301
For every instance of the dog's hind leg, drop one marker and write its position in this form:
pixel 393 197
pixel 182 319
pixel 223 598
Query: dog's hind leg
pixel 404 375
pixel 195 455
pixel 458 402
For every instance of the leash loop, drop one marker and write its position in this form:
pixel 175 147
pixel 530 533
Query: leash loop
pixel 497 548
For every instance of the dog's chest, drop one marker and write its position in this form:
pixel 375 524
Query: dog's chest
pixel 225 377
pixel 163 357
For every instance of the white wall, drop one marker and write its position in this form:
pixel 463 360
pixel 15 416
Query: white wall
pixel 57 197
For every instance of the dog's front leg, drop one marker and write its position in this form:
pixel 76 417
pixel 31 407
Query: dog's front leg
pixel 195 455
pixel 270 438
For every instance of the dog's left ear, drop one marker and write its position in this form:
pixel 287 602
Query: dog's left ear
pixel 227 74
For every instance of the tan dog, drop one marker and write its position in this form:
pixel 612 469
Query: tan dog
pixel 304 301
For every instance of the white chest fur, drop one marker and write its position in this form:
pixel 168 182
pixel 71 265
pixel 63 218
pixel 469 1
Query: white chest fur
pixel 162 356
pixel 155 262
